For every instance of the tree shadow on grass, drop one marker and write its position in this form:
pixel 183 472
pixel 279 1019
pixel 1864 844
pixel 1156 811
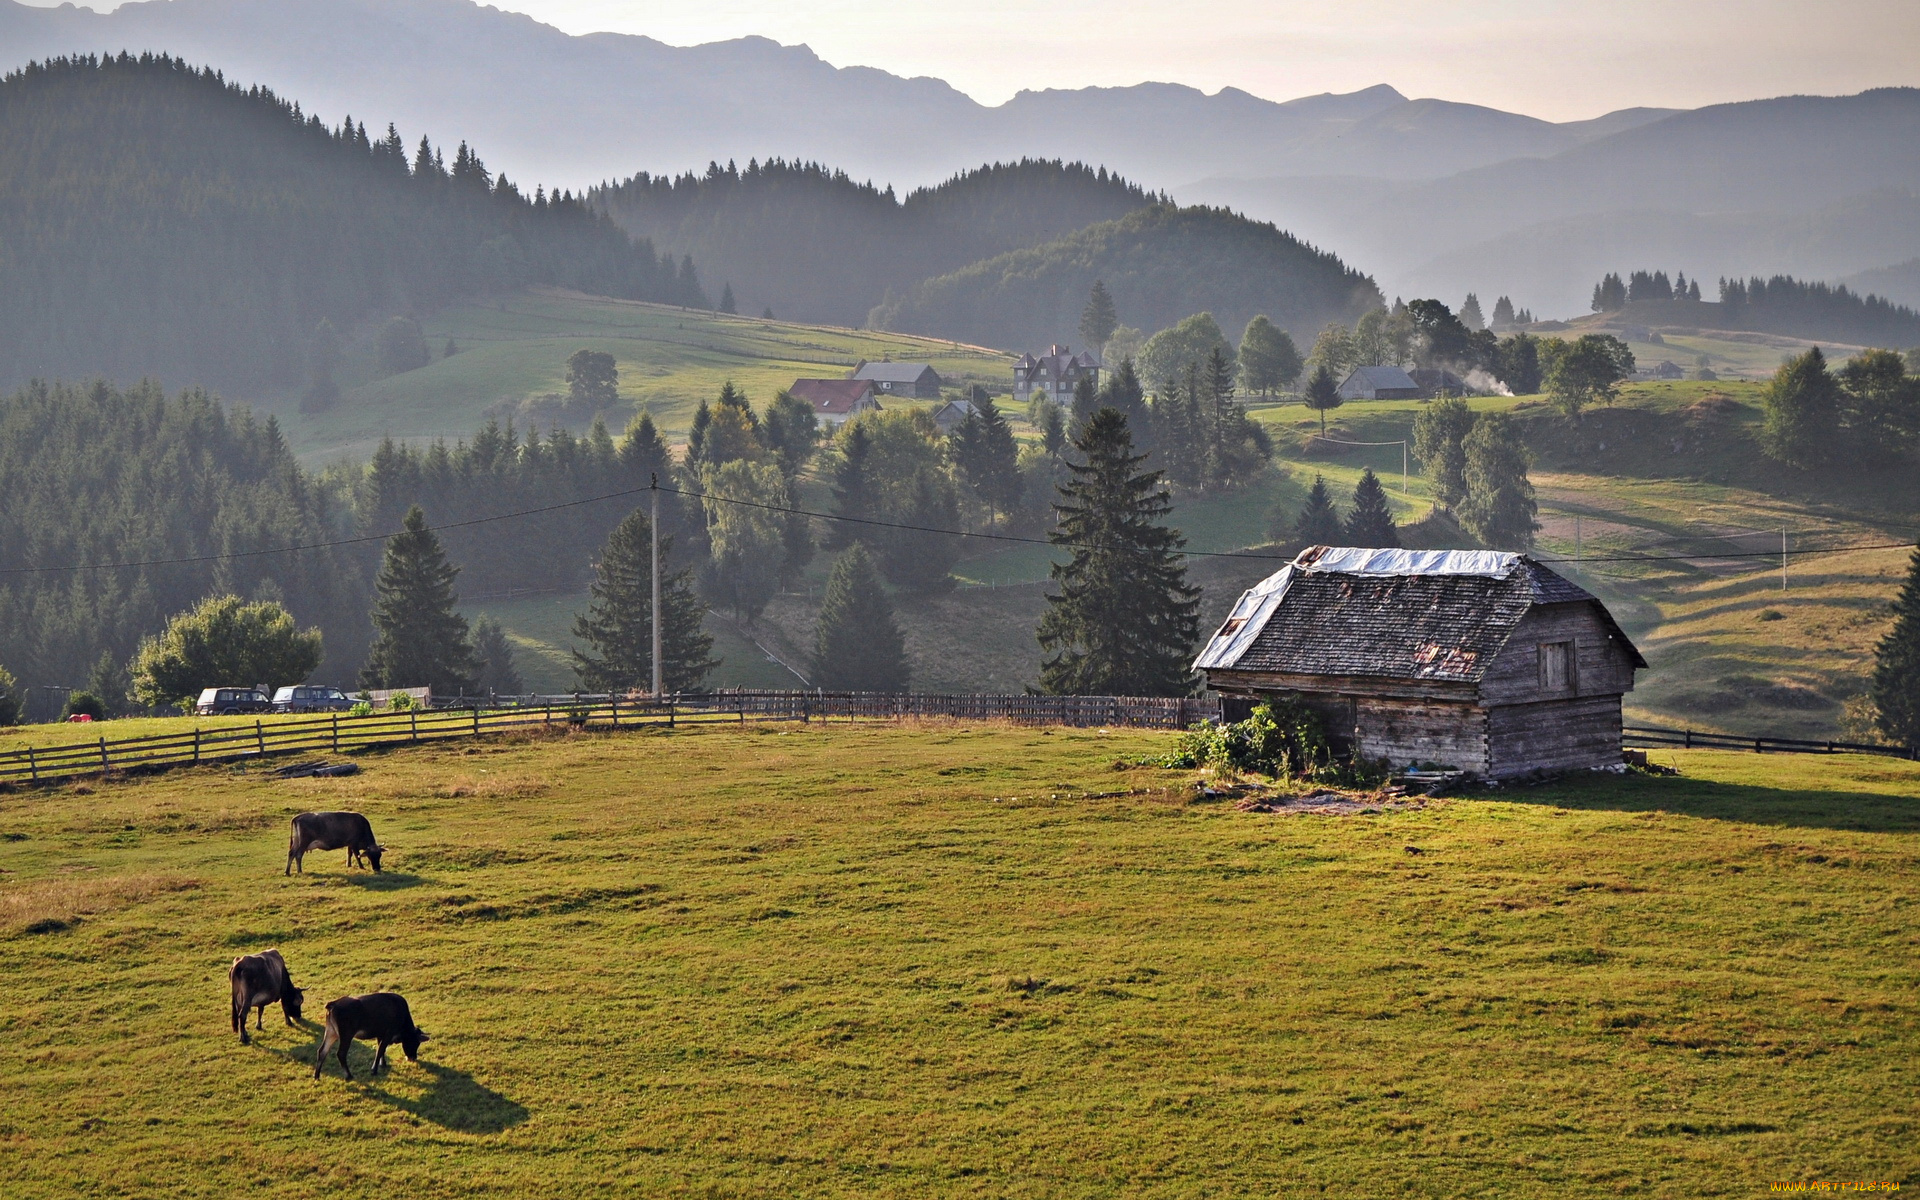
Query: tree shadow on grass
pixel 1864 811
pixel 450 1099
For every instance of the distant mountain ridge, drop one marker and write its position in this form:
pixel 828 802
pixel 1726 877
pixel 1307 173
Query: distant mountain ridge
pixel 575 110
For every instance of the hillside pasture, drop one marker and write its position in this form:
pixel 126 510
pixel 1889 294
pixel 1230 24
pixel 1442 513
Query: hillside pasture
pixel 515 347
pixel 959 960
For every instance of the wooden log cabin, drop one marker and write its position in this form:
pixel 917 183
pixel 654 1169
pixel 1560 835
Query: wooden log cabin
pixel 1473 660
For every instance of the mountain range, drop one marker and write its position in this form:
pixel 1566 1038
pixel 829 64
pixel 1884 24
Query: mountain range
pixel 1428 196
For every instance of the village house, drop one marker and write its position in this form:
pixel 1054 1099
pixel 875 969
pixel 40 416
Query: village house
pixel 1379 383
pixel 915 381
pixel 1055 373
pixel 836 401
pixel 950 414
pixel 1472 660
pixel 1438 381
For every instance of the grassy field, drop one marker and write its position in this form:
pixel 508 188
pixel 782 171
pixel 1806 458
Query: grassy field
pixel 669 358
pixel 946 960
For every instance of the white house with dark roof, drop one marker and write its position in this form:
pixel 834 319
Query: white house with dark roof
pixel 917 381
pixel 1055 373
pixel 1475 660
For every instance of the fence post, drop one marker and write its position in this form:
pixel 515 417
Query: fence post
pixel 1689 734
pixel 613 702
pixel 413 723
pixel 476 720
pixel 196 745
pixel 260 736
pixel 105 766
pixel 336 733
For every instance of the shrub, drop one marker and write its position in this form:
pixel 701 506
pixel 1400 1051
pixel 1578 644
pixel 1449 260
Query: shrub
pixel 361 708
pixel 1281 741
pixel 400 702
pixel 9 698
pixel 84 704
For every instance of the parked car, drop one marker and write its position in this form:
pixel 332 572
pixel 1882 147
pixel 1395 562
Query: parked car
pixel 311 698
pixel 229 700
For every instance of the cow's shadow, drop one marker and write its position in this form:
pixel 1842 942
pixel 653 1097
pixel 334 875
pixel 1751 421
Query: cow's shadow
pixel 385 881
pixel 450 1099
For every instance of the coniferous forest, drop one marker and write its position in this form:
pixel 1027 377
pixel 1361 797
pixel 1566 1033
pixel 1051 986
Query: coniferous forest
pixel 157 220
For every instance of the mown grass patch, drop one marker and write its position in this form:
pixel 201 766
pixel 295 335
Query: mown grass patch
pixel 886 960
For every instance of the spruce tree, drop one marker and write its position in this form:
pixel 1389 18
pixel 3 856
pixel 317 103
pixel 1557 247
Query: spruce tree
pixel 1319 521
pixel 617 627
pixel 697 437
pixel 1499 508
pixel 726 299
pixel 914 559
pixel 1896 670
pixel 1323 394
pixel 852 488
pixel 1124 620
pixel 419 639
pixel 857 647
pixel 1371 521
pixel 999 455
pixel 1099 319
pixel 495 654
pixel 1086 402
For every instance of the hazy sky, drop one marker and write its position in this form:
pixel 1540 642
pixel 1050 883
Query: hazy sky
pixel 1559 59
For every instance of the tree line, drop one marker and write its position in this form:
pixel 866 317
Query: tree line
pixel 159 220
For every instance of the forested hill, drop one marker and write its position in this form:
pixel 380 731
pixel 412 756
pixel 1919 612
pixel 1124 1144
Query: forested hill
pixel 158 220
pixel 814 245
pixel 1160 264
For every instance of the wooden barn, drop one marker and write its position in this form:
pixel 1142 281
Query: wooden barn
pixel 1469 659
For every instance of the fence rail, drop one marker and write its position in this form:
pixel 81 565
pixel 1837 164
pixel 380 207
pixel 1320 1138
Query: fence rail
pixel 1643 736
pixel 338 733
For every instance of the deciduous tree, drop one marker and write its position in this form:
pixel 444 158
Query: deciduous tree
pixel 223 641
pixel 1802 411
pixel 1269 361
pixel 1499 508
pixel 593 380
pixel 1439 436
pixel 1588 371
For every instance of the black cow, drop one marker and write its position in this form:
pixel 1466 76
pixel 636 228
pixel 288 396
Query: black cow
pixel 332 831
pixel 382 1016
pixel 259 980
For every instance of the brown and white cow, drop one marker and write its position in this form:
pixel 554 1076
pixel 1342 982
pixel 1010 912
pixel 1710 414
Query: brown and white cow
pixel 259 980
pixel 382 1016
pixel 332 831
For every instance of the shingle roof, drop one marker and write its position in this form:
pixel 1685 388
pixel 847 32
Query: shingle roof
pixel 1397 614
pixel 1377 378
pixel 830 395
pixel 892 372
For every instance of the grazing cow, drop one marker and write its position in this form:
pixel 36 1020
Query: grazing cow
pixel 332 831
pixel 382 1016
pixel 259 980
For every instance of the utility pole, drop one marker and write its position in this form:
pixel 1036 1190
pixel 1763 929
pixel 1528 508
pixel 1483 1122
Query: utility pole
pixel 1576 541
pixel 654 488
pixel 1783 559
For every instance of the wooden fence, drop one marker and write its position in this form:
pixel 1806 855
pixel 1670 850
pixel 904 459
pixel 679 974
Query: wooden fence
pixel 1643 736
pixel 339 733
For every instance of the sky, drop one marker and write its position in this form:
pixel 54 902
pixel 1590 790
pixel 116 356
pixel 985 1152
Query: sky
pixel 1556 59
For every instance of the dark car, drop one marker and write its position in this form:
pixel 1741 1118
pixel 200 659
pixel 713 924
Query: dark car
pixel 311 698
pixel 227 701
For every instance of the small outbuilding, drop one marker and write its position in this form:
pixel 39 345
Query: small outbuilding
pixel 1379 383
pixel 1435 382
pixel 836 401
pixel 914 381
pixel 1473 660
pixel 949 415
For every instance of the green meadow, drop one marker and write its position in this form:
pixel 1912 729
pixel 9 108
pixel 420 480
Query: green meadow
pixel 953 960
pixel 669 358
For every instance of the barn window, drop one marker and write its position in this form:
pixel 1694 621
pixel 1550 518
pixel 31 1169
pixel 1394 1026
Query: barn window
pixel 1556 666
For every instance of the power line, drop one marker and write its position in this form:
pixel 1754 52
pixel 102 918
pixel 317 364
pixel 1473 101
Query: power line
pixel 1017 539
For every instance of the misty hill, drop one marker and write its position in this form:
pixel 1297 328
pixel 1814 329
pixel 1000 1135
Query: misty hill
pixel 157 220
pixel 1815 186
pixel 815 246
pixel 602 106
pixel 1160 264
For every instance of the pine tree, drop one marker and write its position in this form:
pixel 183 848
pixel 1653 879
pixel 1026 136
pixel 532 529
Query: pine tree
pixel 1124 620
pixel 697 436
pixel 1470 314
pixel 857 647
pixel 1502 313
pixel 1099 320
pixel 915 560
pixel 617 627
pixel 1802 411
pixel 1053 428
pixel 420 639
pixel 495 654
pixel 1371 521
pixel 1499 508
pixel 853 496
pixel 1086 402
pixel 1323 394
pixel 999 455
pixel 1319 521
pixel 726 299
pixel 1896 671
